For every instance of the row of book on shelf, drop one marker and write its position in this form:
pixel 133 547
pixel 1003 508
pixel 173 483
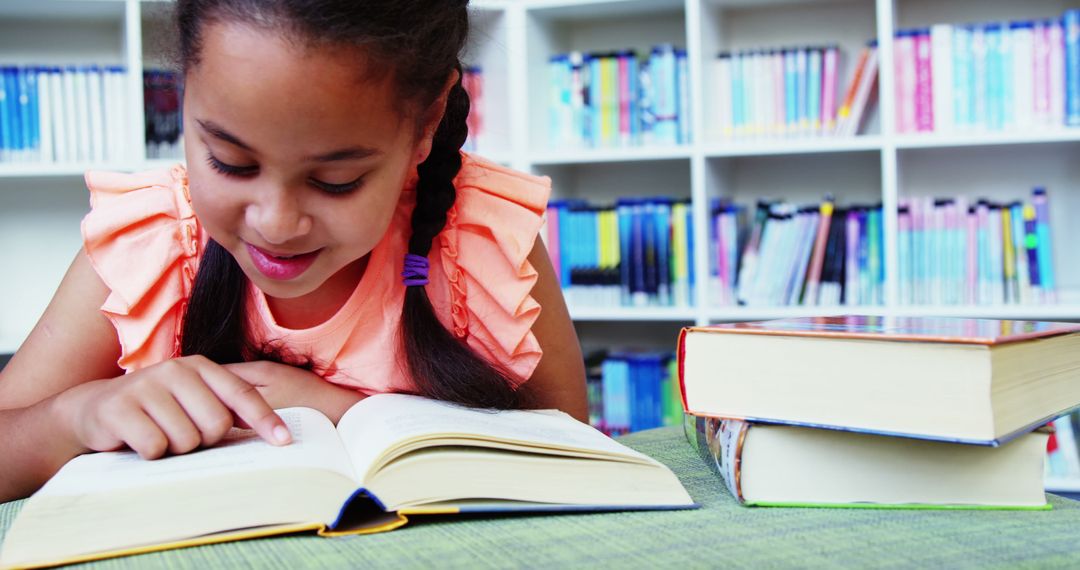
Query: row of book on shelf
pixel 952 252
pixel 994 76
pixel 797 255
pixel 611 100
pixel 63 114
pixel 884 412
pixel 638 252
pixel 632 390
pixel 949 253
pixel 791 92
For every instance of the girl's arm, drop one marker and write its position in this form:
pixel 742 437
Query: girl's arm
pixel 61 395
pixel 559 378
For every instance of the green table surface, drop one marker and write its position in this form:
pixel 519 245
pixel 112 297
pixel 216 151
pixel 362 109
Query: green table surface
pixel 719 534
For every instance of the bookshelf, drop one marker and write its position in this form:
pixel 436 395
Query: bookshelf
pixel 512 40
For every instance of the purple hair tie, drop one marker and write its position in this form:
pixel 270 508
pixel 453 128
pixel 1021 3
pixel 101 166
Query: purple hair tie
pixel 416 270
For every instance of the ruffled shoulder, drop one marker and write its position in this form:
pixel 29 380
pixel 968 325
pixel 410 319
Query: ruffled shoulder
pixel 490 231
pixel 144 241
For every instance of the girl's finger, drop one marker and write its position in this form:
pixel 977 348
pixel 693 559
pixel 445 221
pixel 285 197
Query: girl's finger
pixel 211 417
pixel 173 420
pixel 132 426
pixel 245 400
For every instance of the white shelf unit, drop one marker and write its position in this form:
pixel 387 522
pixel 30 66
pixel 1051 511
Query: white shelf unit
pixel 41 205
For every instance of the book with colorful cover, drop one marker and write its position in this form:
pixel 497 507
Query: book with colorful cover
pixel 962 380
pixel 783 466
pixel 391 456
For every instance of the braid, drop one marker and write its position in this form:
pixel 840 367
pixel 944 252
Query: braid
pixel 444 367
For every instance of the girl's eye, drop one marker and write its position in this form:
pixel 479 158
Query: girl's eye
pixel 337 188
pixel 229 169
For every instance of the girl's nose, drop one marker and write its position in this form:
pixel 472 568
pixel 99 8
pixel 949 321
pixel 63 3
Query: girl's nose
pixel 278 217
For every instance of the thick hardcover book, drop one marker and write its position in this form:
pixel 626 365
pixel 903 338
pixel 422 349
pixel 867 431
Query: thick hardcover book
pixel 390 456
pixel 964 380
pixel 783 466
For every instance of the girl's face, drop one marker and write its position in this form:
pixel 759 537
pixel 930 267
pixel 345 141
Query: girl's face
pixel 295 160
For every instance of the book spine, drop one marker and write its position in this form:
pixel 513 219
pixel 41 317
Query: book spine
pixel 683 73
pixel 1042 74
pixel 1023 74
pixel 924 105
pixel 1072 67
pixel 724 102
pixel 829 64
pixel 1041 203
pixel 623 67
pixel 994 119
pixel 1031 244
pixel 1008 256
pixel 814 86
pixel 941 46
pixel 1056 65
pixel 719 444
pixel 851 286
pixel 979 93
pixel 1023 275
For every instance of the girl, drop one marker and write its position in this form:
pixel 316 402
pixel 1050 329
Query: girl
pixel 328 240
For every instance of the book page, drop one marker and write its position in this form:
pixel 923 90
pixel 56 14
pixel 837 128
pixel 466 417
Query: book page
pixel 378 422
pixel 315 444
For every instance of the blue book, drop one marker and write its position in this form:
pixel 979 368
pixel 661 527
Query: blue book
pixel 33 126
pixel 662 211
pixel 596 116
pixel 1071 23
pixel 962 79
pixel 865 293
pixel 791 87
pixel 649 243
pixel 1045 250
pixel 625 213
pixel 616 395
pixel 11 85
pixel 5 118
pixel 638 293
pixel 738 122
pixel 682 73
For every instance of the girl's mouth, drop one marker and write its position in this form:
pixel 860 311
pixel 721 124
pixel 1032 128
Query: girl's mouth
pixel 281 266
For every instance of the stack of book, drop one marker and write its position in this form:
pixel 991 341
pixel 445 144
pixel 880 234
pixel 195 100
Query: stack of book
pixel 991 76
pixel 612 100
pixel 879 412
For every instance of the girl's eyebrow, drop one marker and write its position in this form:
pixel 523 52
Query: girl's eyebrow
pixel 351 153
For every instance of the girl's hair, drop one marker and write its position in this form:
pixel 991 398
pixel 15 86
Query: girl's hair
pixel 416 43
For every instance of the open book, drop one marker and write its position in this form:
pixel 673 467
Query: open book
pixel 391 455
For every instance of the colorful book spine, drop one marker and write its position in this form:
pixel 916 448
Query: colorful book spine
pixel 829 74
pixel 1071 24
pixel 924 93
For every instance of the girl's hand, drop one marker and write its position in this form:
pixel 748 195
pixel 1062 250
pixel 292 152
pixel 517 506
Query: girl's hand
pixel 284 386
pixel 173 406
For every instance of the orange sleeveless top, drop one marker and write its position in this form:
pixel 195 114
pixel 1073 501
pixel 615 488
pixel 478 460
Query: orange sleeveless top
pixel 143 239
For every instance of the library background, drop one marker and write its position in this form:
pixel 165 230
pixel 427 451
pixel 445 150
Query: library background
pixel 712 160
